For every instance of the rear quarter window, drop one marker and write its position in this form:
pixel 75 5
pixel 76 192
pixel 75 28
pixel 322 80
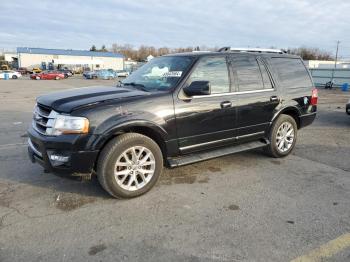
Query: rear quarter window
pixel 291 72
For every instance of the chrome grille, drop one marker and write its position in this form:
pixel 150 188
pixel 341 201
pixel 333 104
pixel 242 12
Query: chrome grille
pixel 43 119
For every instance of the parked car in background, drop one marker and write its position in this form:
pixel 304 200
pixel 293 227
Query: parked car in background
pixel 48 75
pixel 11 74
pixel 348 107
pixel 67 73
pixel 90 74
pixel 23 70
pixel 36 70
pixel 106 74
pixel 122 73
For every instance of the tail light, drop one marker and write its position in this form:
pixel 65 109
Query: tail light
pixel 314 97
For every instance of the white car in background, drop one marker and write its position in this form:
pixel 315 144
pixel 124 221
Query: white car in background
pixel 12 74
pixel 122 73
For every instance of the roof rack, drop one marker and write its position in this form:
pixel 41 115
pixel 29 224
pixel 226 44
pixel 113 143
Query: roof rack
pixel 254 50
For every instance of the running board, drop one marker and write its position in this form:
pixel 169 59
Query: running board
pixel 222 151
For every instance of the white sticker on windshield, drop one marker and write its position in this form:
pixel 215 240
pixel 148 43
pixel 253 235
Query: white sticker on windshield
pixel 173 74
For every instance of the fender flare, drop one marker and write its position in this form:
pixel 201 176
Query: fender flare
pixel 293 109
pixel 119 128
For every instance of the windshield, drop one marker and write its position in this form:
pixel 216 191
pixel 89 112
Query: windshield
pixel 162 73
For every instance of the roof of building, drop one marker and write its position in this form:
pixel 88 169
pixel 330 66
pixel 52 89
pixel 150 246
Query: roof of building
pixel 29 50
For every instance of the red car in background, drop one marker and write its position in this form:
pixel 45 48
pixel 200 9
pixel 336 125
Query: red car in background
pixel 48 75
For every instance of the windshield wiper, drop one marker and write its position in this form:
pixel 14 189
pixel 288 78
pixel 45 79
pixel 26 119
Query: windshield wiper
pixel 137 86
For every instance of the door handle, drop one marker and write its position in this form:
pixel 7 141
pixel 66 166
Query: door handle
pixel 274 98
pixel 226 104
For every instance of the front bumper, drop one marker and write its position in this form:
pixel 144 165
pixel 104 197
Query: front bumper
pixel 42 148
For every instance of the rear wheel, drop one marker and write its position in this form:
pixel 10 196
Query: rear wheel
pixel 129 165
pixel 14 77
pixel 283 136
pixel 57 78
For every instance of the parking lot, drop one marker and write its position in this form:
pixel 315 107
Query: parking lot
pixel 243 207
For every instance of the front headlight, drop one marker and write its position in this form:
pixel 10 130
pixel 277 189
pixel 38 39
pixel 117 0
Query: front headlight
pixel 63 124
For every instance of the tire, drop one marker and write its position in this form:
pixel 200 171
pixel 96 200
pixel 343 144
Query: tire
pixel 115 152
pixel 57 78
pixel 14 77
pixel 275 148
pixel 37 78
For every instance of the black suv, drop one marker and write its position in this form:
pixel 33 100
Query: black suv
pixel 175 110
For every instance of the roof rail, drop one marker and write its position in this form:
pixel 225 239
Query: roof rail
pixel 254 50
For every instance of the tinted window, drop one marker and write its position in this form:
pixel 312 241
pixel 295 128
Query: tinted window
pixel 214 70
pixel 291 72
pixel 248 73
pixel 265 76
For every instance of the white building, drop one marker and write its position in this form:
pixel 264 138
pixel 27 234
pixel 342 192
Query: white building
pixel 10 56
pixel 40 57
pixel 327 64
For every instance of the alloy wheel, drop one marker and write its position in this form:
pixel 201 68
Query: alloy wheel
pixel 134 168
pixel 285 137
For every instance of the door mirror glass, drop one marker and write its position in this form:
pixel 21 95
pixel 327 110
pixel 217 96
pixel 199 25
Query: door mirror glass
pixel 198 88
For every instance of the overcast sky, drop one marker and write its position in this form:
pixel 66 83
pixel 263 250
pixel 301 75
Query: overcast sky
pixel 78 24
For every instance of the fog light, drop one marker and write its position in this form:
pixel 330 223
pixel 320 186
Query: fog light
pixel 59 158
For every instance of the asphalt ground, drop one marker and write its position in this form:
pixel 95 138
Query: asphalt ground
pixel 242 207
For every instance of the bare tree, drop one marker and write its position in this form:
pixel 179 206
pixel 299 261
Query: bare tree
pixel 311 53
pixel 141 53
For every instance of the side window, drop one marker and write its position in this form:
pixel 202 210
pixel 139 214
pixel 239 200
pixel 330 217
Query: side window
pixel 291 72
pixel 248 73
pixel 214 70
pixel 265 76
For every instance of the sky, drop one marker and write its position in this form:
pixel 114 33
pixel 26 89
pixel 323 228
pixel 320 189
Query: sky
pixel 79 24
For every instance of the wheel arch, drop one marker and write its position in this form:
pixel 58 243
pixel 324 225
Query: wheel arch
pixel 291 111
pixel 149 129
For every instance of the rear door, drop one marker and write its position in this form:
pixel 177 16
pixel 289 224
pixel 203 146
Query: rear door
pixel 256 94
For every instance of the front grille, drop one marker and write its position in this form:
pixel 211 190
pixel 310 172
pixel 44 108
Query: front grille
pixel 43 119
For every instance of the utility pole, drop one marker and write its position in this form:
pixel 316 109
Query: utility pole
pixel 335 62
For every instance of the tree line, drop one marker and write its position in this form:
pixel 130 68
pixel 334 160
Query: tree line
pixel 142 52
pixel 311 53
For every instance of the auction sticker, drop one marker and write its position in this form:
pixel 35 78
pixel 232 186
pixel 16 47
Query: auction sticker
pixel 173 74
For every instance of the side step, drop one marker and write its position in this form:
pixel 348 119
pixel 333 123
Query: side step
pixel 222 151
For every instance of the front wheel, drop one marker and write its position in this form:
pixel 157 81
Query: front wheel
pixel 283 136
pixel 57 78
pixel 129 165
pixel 14 77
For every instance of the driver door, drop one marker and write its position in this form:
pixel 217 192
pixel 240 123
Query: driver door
pixel 206 121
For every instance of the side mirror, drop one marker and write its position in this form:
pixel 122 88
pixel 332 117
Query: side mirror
pixel 198 88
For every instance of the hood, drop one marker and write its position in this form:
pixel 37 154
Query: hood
pixel 69 100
